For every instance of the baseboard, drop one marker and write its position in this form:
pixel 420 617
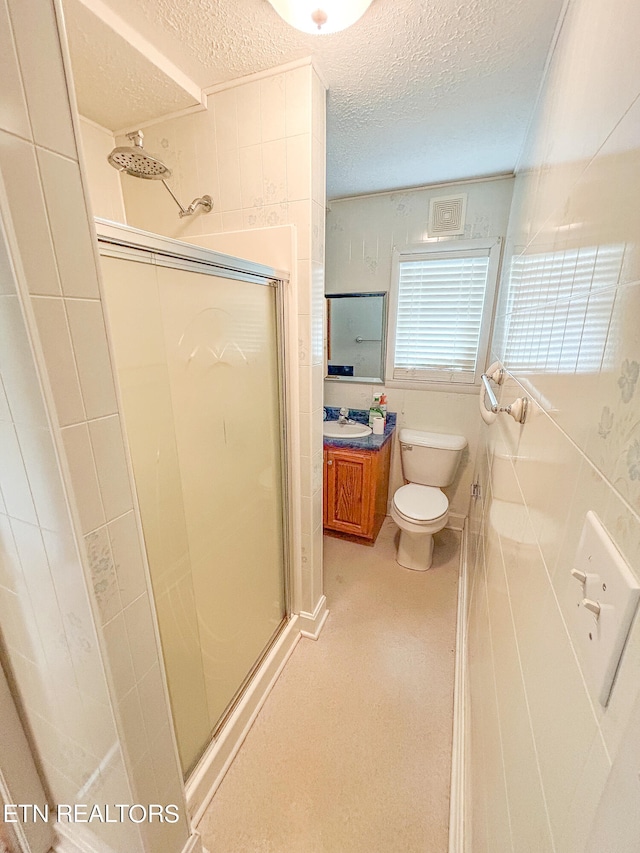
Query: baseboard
pixel 311 624
pixel 456 521
pixel 194 844
pixel 74 838
pixel 458 754
pixel 210 771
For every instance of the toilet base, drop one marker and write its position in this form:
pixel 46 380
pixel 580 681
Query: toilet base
pixel 415 550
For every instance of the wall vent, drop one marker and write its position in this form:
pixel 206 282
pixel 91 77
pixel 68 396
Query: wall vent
pixel 446 215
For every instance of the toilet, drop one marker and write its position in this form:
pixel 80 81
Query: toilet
pixel 420 508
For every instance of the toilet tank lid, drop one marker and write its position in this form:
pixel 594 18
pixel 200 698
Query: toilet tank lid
pixel 441 441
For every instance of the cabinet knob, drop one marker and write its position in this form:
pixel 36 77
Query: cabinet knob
pixel 329 461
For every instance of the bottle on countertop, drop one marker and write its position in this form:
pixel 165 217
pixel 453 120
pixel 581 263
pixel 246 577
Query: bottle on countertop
pixel 383 405
pixel 375 411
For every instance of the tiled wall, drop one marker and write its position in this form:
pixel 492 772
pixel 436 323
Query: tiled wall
pixel 259 151
pixel 104 181
pixel 77 624
pixel 361 236
pixel 543 748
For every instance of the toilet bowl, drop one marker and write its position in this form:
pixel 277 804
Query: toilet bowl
pixel 419 512
pixel 420 508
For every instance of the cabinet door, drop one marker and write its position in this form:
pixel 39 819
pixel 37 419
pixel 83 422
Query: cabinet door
pixel 350 492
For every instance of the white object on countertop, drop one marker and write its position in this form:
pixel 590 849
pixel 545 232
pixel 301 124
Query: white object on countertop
pixel 378 426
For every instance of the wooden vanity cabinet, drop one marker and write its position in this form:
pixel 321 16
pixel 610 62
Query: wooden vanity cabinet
pixel 356 484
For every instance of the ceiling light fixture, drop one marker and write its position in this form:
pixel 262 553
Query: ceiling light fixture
pixel 320 16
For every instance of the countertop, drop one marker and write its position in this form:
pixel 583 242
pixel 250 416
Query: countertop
pixel 369 442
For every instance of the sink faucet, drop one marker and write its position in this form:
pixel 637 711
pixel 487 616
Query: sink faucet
pixel 344 416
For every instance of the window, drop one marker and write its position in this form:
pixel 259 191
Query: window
pixel 441 307
pixel 559 307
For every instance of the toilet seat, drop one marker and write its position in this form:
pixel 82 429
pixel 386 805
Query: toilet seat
pixel 420 504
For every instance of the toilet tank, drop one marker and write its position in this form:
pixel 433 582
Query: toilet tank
pixel 430 458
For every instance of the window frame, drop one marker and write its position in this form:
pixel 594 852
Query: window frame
pixel 446 249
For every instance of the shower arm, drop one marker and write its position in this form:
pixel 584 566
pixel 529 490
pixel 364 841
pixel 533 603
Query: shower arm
pixel 205 201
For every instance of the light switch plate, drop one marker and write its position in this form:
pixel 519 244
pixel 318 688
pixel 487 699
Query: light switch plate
pixel 611 583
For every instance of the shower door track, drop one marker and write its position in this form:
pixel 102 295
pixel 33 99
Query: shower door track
pixel 127 243
pixel 231 707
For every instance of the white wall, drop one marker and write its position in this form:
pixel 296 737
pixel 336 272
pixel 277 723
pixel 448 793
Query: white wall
pixel 361 235
pixel 549 763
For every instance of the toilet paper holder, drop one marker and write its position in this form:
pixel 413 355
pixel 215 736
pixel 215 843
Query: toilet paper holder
pixel 518 409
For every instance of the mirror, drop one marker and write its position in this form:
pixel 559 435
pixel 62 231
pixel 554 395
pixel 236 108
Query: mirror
pixel 356 336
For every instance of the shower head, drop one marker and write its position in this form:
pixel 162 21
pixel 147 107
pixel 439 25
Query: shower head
pixel 134 161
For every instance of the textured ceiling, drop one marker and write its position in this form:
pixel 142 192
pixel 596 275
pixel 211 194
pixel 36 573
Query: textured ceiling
pixel 420 91
pixel 115 85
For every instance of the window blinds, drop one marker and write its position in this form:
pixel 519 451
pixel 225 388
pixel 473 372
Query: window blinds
pixel 559 308
pixel 439 316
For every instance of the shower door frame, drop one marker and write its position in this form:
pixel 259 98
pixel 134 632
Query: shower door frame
pixel 127 243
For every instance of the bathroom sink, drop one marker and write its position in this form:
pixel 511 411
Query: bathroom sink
pixel 333 429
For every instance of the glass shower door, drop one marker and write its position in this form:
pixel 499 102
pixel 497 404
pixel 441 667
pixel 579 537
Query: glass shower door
pixel 197 357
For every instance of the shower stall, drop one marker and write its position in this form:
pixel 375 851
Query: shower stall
pixel 198 345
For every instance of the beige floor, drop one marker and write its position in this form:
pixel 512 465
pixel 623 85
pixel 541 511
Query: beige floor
pixel 352 750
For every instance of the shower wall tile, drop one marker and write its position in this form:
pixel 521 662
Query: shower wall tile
pixel 67 214
pixel 42 466
pixel 13 476
pixel 299 106
pixel 85 477
pixel 55 338
pixel 300 216
pixel 19 377
pixel 133 724
pixel 119 651
pixel 273 107
pixel 251 176
pixel 232 220
pixel 304 340
pixel 226 119
pixel 229 178
pixel 304 276
pixel 275 163
pixel 87 324
pixel 248 110
pixel 139 622
pixel 21 179
pixel 299 175
pixel 43 76
pixel 128 561
pixel 103 574
pixel 104 182
pixel 264 216
pixel 156 718
pixel 15 116
pixel 111 465
pixel 318 118
pixel 319 172
pixel 304 382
